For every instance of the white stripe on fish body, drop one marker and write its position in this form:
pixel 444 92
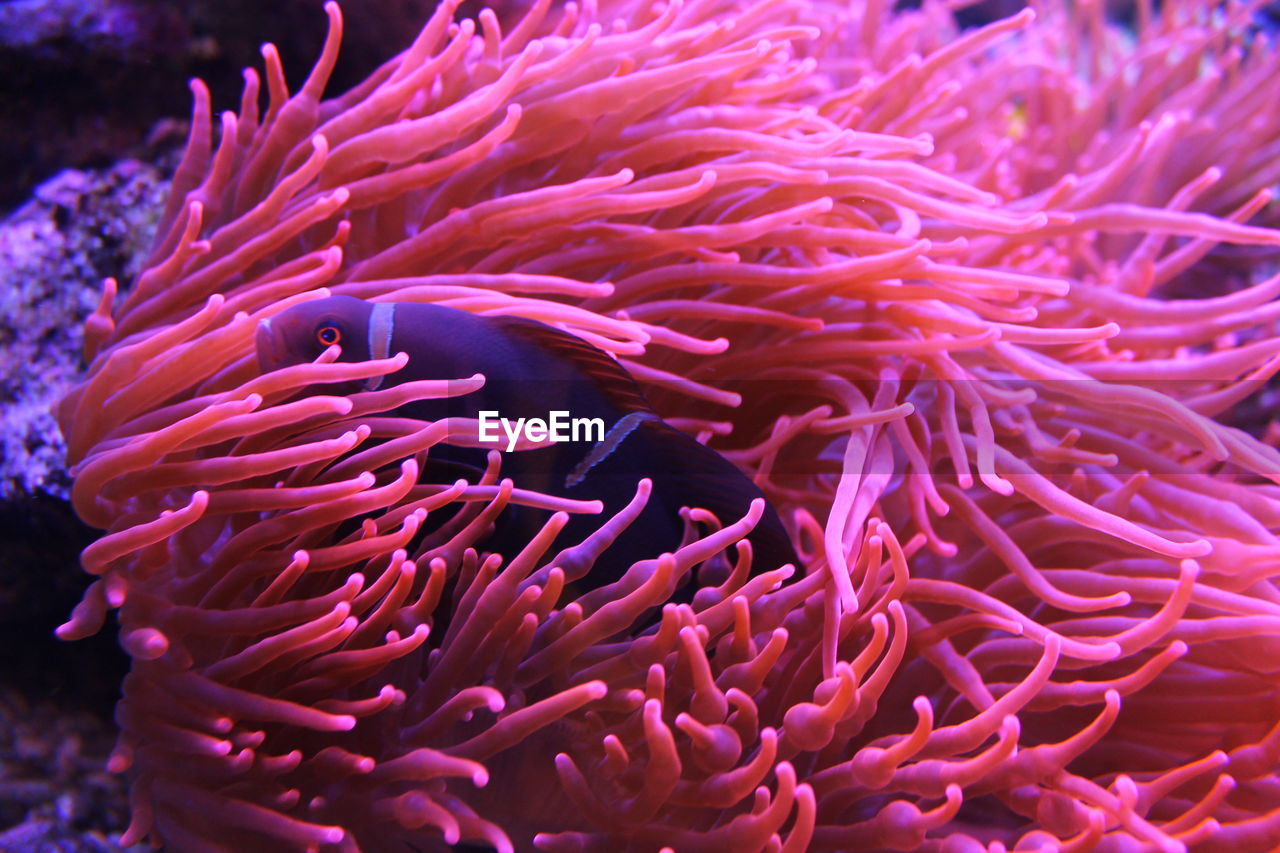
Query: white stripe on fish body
pixel 382 325
pixel 605 447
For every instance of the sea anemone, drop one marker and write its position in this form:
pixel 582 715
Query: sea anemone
pixel 918 283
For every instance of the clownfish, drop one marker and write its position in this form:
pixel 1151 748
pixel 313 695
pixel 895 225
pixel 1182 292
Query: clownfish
pixel 531 369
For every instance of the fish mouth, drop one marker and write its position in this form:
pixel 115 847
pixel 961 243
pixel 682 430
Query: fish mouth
pixel 268 345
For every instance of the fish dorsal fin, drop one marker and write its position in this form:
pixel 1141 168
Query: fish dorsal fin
pixel 615 383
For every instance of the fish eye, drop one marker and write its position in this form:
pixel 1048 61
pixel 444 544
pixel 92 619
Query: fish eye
pixel 328 335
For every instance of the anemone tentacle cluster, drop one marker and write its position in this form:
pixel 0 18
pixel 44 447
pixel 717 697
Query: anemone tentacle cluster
pixel 918 282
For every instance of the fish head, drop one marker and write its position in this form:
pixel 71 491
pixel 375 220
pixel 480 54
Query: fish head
pixel 301 333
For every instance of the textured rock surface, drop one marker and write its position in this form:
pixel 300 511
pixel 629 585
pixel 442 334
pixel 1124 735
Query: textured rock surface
pixel 80 227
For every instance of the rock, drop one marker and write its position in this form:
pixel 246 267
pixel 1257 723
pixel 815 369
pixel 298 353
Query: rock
pixel 80 227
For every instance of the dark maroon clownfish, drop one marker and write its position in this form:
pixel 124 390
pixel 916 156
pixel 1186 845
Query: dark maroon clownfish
pixel 531 370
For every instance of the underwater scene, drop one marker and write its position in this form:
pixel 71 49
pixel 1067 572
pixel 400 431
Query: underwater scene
pixel 639 425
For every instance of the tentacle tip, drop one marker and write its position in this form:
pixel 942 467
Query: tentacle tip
pixel 1189 569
